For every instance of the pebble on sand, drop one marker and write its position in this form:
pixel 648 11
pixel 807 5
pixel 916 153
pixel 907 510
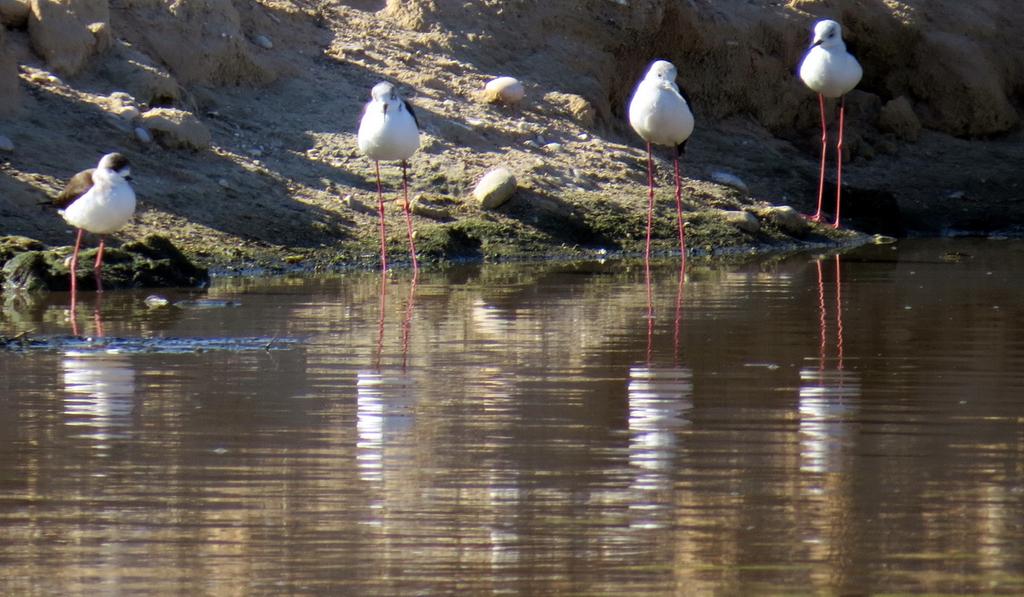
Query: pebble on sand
pixel 263 41
pixel 505 90
pixel 730 180
pixel 744 220
pixel 495 188
pixel 787 219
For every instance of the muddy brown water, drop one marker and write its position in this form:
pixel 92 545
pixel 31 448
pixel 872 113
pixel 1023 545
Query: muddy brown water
pixel 846 424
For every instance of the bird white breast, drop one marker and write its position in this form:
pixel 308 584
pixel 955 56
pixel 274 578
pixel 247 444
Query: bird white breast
pixel 103 209
pixel 832 73
pixel 390 135
pixel 660 114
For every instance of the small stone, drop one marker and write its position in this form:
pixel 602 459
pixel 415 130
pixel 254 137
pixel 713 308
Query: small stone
pixel 424 208
pixel 744 220
pixel 155 301
pixel 787 219
pixel 126 112
pixel 505 90
pixel 263 41
pixel 122 97
pixel 553 147
pixel 224 183
pixel 6 145
pixel 730 180
pixel 143 136
pixel 495 188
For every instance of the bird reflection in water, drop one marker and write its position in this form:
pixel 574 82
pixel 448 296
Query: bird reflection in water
pixel 96 316
pixel 99 391
pixel 828 390
pixel 385 399
pixel 659 398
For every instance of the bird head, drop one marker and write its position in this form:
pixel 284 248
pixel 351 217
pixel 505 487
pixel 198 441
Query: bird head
pixel 384 93
pixel 662 69
pixel 827 34
pixel 117 163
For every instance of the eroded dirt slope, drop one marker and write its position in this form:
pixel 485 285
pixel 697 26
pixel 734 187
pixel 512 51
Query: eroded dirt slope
pixel 934 129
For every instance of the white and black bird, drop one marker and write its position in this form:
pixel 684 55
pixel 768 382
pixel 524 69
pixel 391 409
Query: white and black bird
pixel 660 113
pixel 389 131
pixel 98 200
pixel 832 72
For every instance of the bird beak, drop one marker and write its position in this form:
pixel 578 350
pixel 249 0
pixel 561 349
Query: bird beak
pixel 385 108
pixel 817 42
pixel 128 177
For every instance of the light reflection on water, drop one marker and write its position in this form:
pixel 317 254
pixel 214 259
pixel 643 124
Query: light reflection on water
pixel 99 394
pixel 811 424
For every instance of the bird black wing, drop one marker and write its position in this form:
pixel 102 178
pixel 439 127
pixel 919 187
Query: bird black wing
pixel 408 106
pixel 78 185
pixel 689 103
pixel 681 148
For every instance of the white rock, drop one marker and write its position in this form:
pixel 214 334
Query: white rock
pixel 224 183
pixel 553 147
pixel 788 219
pixel 744 220
pixel 126 112
pixel 495 188
pixel 730 180
pixel 6 144
pixel 507 90
pixel 123 98
pixel 263 41
pixel 155 301
pixel 143 135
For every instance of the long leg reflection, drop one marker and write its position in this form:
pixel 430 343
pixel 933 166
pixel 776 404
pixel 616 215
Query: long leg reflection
pixel 97 316
pixel 383 305
pixel 828 391
pixel 659 397
pixel 386 400
pixel 407 320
